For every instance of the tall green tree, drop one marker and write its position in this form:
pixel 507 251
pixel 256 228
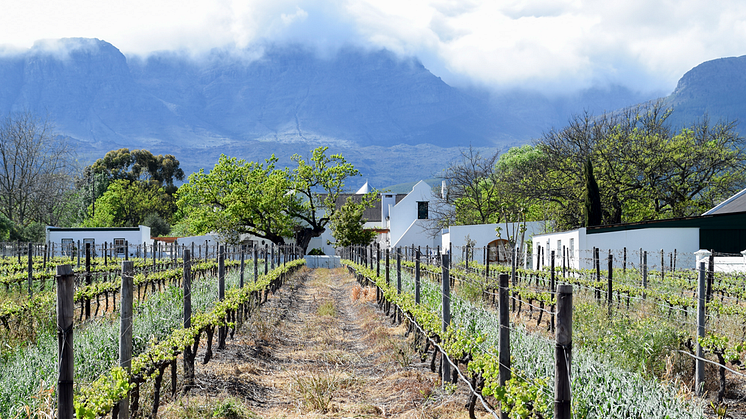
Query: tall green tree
pixel 591 197
pixel 126 203
pixel 238 197
pixel 316 184
pixel 347 224
pixel 139 165
pixel 644 169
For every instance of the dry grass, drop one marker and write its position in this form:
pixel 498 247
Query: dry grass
pixel 333 355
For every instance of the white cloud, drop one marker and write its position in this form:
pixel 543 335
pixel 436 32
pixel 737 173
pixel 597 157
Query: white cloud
pixel 548 44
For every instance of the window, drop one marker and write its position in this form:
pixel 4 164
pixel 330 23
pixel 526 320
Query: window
pixel 68 246
pixel 422 210
pixel 572 248
pixel 119 246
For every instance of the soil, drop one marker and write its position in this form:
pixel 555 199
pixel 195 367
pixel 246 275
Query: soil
pixel 320 347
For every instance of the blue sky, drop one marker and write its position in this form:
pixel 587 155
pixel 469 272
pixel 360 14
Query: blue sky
pixel 549 45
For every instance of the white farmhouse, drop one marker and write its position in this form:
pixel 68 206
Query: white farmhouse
pixel 63 240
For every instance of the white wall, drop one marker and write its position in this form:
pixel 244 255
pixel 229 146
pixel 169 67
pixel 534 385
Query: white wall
pixel 684 240
pixel 483 234
pixel 134 236
pixel 572 240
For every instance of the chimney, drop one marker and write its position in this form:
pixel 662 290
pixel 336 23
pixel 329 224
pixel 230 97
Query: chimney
pixel 444 190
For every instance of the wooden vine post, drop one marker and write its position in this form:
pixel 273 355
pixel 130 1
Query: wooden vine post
pixel 125 329
pixel 30 270
pixel 256 263
pixel 388 275
pixel 188 355
pixel 88 279
pixel 644 271
pixel 398 271
pixel 266 262
pixel 699 372
pixel 504 336
pixel 417 278
pixel 65 308
pixel 240 283
pixel 378 259
pixel 446 313
pixel 610 295
pixel 563 353
pixel 221 293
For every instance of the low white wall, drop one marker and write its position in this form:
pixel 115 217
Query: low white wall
pixel 484 234
pixel 328 262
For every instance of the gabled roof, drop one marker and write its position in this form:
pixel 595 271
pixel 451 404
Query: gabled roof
pixel 736 203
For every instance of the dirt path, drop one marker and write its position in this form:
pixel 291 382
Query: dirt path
pixel 320 348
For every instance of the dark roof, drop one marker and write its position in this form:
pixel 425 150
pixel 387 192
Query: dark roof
pixel 736 203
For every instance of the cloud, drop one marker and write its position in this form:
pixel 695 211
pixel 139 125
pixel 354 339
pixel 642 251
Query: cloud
pixel 551 45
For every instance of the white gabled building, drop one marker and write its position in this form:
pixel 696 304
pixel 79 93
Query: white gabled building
pixel 408 220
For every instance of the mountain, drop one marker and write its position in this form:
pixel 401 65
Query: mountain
pixel 387 114
pixel 714 88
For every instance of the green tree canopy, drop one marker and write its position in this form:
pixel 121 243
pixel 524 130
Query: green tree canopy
pixel 247 197
pixel 139 165
pixel 644 169
pixel 126 203
pixel 316 185
pixel 239 197
pixel 347 223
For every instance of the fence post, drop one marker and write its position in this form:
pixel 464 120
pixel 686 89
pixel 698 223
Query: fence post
pixel 30 270
pixel 266 262
pixel 611 274
pixel 504 336
pixel 221 293
pixel 240 282
pixel 446 377
pixel 663 265
pixel 644 271
pixel 624 261
pixel 88 279
pixel 710 274
pixel 256 263
pixel 378 259
pixel 563 353
pixel 551 272
pixel 388 275
pixel 398 271
pixel 65 308
pixel 417 278
pixel 125 329
pixel 187 284
pixel 699 379
pixel 610 296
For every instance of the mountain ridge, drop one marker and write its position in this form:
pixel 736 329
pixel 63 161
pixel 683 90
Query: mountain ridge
pixel 375 107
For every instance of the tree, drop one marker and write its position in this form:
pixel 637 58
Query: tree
pixel 158 226
pixel 36 168
pixel 126 203
pixel 139 165
pixel 643 168
pixel 347 223
pixel 239 197
pixel 592 197
pixel 316 185
pixel 471 188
